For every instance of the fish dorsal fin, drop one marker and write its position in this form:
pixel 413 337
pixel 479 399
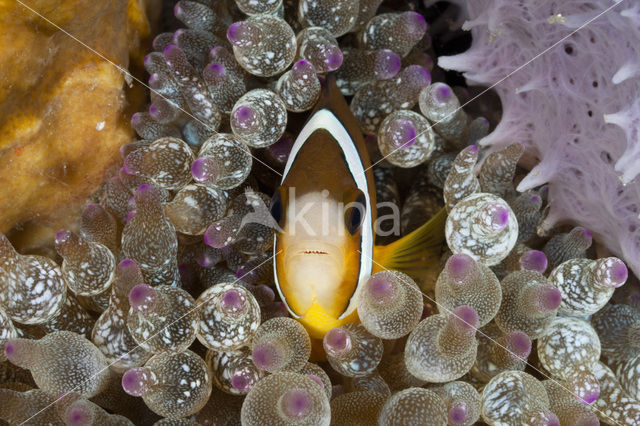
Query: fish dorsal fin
pixel 416 254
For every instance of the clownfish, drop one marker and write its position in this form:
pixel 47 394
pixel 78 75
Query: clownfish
pixel 324 250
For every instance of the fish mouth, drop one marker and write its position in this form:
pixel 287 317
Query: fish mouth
pixel 315 252
pixel 314 249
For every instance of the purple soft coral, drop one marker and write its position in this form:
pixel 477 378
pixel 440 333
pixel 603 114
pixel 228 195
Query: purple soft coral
pixel 573 106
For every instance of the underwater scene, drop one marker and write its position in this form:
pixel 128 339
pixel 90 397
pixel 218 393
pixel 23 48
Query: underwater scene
pixel 320 212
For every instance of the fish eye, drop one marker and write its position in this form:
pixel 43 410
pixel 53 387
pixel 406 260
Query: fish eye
pixel 276 208
pixel 354 215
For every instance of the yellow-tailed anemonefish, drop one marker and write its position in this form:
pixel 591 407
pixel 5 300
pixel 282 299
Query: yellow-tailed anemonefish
pixel 325 207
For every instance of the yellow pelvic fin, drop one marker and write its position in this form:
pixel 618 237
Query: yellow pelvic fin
pixel 415 254
pixel 318 321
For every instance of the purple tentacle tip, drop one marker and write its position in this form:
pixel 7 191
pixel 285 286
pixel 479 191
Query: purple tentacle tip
pixel 141 297
pixel 10 348
pixel 460 267
pixel 418 23
pixel 62 236
pixel 203 169
pixel 132 382
pixel 465 317
pixel 519 344
pixel 153 111
pixel 241 381
pixel 130 216
pixel 177 10
pixel 381 289
pixel 171 50
pixel 265 355
pixel 588 234
pixel 235 33
pixel 136 118
pixel 333 58
pixel 500 216
pixel 442 93
pixel 406 132
pixel 389 63
pixel 458 412
pixel 550 298
pixel 337 341
pixel 591 396
pixel 473 148
pixel 552 420
pixel 244 117
pixel 619 272
pixel 534 260
pixel 216 70
pixel 316 379
pixel 232 301
pixel 296 403
pixel 78 416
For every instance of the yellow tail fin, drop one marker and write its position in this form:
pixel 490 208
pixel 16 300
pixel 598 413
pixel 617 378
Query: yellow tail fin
pixel 415 254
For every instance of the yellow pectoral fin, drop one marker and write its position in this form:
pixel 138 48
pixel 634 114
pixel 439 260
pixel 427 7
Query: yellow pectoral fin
pixel 416 254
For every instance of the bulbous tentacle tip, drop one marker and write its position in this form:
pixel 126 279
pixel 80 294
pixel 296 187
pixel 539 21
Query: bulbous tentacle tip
pixel 237 32
pixel 265 356
pixel 241 381
pixel 402 133
pixel 172 51
pixel 498 216
pixel 129 216
pixel 133 382
pixel 464 317
pixel 619 273
pixel 232 301
pixel 63 237
pixel 177 10
pixel 145 192
pixel 136 118
pixel 79 415
pixel 381 289
pixel 203 169
pixel 244 117
pixel 591 396
pixel 215 71
pixel 518 343
pixel 460 267
pixel 281 149
pixel 587 419
pixel 153 111
pixel 10 349
pixel 442 93
pixel 337 341
pixel 333 57
pixel 213 237
pixel 534 260
pixel 127 264
pixel 142 297
pixel 388 63
pixel 550 298
pixel 458 413
pixel 316 379
pixel 552 420
pixel 421 75
pixel 473 148
pixel 296 404
pixel 302 70
pixel 418 25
